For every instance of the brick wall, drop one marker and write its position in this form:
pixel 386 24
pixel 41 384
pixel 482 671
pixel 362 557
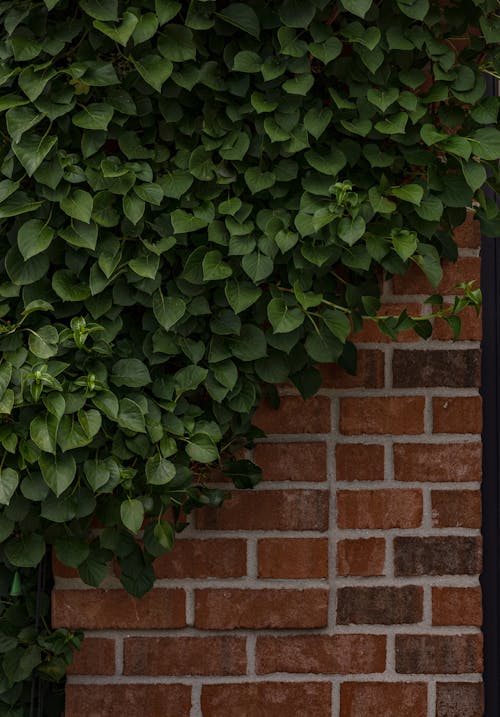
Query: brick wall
pixel 346 585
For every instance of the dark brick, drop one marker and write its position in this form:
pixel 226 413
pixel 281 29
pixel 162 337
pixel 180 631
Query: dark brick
pixel 450 555
pixel 453 368
pixel 460 699
pixel 438 654
pixel 379 605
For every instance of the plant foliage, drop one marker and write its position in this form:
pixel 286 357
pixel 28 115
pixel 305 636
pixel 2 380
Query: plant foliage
pixel 198 199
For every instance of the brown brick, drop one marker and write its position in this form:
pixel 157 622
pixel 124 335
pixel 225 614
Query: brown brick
pixel 415 282
pixel 116 609
pixel 295 416
pixel 292 461
pixel 298 558
pixel 448 462
pixel 272 699
pixel 380 415
pixel 379 509
pixel 191 558
pixel 363 557
pixel 95 657
pixel 456 508
pixel 371 333
pixel 384 699
pixel 441 367
pixel 185 656
pixel 457 606
pixel 134 700
pixel 297 509
pixel 228 609
pixel 438 654
pixel 379 605
pixel 447 555
pixel 358 461
pixel 471 327
pixel 460 699
pixel 459 414
pixel 468 235
pixel 369 372
pixel 321 654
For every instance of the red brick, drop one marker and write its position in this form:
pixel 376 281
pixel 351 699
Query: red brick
pixel 441 367
pixel 116 609
pixel 381 605
pixel 269 699
pixel 298 558
pixel 457 606
pixel 228 609
pixel 468 235
pixel 369 372
pixel 133 700
pixel 438 654
pixel 448 462
pixel 446 555
pixel 456 509
pixel 185 656
pixel 379 509
pixel 384 699
pixel 363 557
pixel 321 654
pixel 297 509
pixel 217 558
pixel 458 414
pixel 295 416
pixel 471 328
pixel 292 461
pixel 96 657
pixel 358 461
pixel 460 699
pixel 370 333
pixel 380 415
pixel 415 281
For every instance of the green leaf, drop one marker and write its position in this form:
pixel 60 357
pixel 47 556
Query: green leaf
pixel 22 272
pixel 132 514
pixel 243 17
pixel 131 417
pixel 202 448
pixel 382 98
pixel 176 43
pixel 241 294
pixel 34 237
pixel 214 268
pixel 168 310
pixel 283 318
pixel 32 150
pixel 404 243
pixel 133 208
pixel 44 341
pixel 416 9
pixel 357 7
pixel 26 551
pixel 412 193
pixel 475 175
pixel 159 471
pixel 317 120
pixel 247 61
pixel 154 70
pixel 299 85
pixel 295 13
pixel 80 234
pixel 78 205
pixel 71 551
pixel 337 323
pixel 20 120
pixel 395 124
pixel 9 480
pixel 351 230
pixel 257 180
pixel 428 260
pixel 166 10
pixel 106 10
pixel 57 471
pixel 185 223
pixel 486 143
pixel 123 32
pixel 164 534
pixel 67 287
pixel 94 116
pixel 130 372
pixel 258 266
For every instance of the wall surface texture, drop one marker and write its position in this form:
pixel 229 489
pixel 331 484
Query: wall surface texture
pixel 346 585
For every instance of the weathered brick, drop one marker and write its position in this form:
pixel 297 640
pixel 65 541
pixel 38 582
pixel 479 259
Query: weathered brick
pixel 379 509
pixel 272 699
pixel 295 416
pixel 372 334
pixel 447 462
pixel 438 654
pixel 460 699
pixel 321 654
pixel 358 461
pixel 383 699
pixel 95 657
pixel 458 414
pixel 471 326
pixel 369 372
pixel 415 282
pixel 363 557
pixel 457 606
pixel 379 605
pixel 210 558
pixel 116 609
pixel 228 609
pixel 439 367
pixel 298 558
pixel 382 415
pixel 456 508
pixel 447 555
pixel 185 656
pixel 468 235
pixel 135 700
pixel 292 461
pixel 297 509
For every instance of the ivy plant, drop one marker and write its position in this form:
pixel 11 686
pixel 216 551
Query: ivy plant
pixel 199 201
